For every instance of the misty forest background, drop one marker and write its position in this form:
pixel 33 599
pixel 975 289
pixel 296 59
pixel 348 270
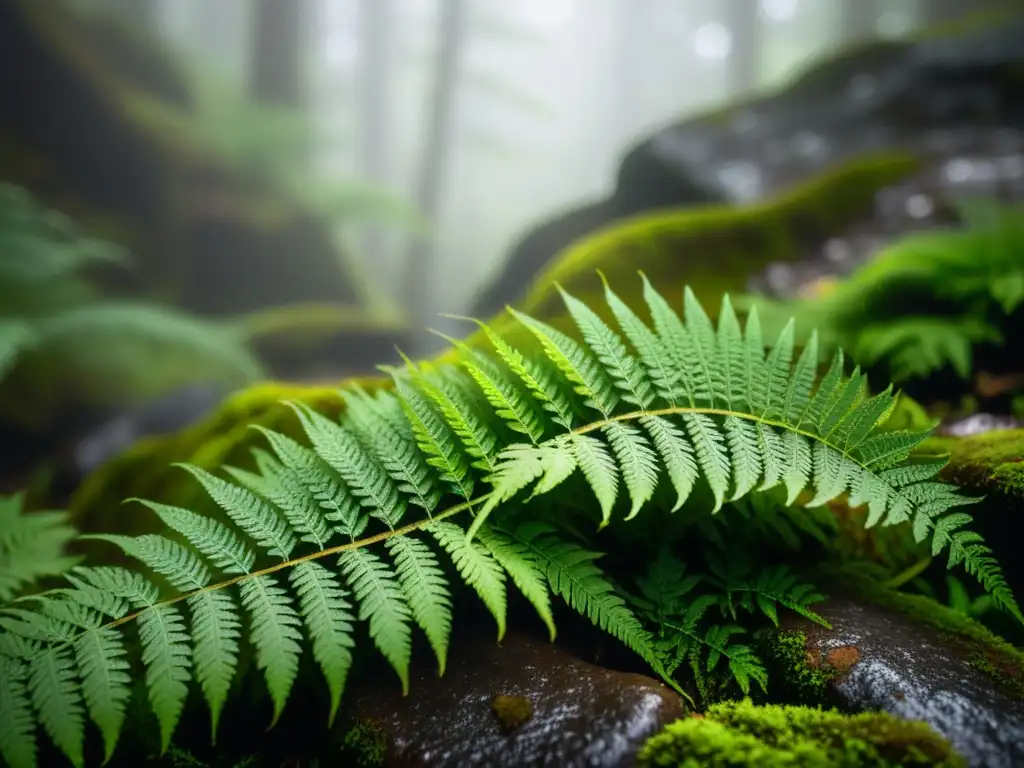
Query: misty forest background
pixel 487 116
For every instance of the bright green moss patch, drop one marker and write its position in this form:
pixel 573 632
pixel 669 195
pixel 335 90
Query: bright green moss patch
pixel 794 672
pixel 740 734
pixel 993 460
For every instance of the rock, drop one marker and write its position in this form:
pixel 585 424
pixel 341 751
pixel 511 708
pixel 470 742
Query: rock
pixel 523 702
pixel 952 102
pixel 916 659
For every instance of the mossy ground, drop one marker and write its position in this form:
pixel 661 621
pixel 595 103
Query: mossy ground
pixel 742 734
pixel 989 461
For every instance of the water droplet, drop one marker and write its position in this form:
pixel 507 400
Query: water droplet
pixel 959 170
pixel 837 250
pixel 808 144
pixel 920 206
pixel 742 179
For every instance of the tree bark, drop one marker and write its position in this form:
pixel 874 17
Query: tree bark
pixel 277 52
pixel 436 148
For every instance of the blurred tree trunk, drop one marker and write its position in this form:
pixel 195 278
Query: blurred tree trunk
pixel 434 162
pixel 743 18
pixel 376 77
pixel 278 52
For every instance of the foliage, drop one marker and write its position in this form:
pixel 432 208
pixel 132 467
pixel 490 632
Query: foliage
pixel 741 734
pixel 55 328
pixel 32 547
pixel 925 301
pixel 359 527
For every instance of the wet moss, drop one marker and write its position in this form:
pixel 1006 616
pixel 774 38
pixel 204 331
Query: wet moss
pixel 989 461
pixel 741 734
pixel 513 712
pixel 795 674
pixel 364 745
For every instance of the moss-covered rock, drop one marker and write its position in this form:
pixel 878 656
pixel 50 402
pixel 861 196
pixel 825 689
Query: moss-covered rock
pixel 910 656
pixel 741 735
pixel 993 461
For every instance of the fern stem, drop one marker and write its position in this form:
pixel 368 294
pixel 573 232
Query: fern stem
pixel 909 574
pixel 312 556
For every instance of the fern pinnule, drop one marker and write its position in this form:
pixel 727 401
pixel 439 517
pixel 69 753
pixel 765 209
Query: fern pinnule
pixel 350 530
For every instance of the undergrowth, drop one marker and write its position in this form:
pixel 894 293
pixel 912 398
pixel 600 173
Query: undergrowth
pixel 475 474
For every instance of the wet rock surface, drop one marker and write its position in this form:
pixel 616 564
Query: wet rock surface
pixel 887 660
pixel 524 702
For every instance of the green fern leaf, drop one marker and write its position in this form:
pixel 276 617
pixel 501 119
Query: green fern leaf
pixel 478 568
pixel 426 592
pixel 327 614
pixel 638 462
pixel 527 573
pixel 17 723
pixel 381 603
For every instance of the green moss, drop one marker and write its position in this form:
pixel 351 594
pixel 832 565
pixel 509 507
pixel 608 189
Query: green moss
pixel 794 672
pixel 364 745
pixel 983 649
pixel 741 734
pixel 989 461
pixel 712 248
pixel 224 437
pixel 513 712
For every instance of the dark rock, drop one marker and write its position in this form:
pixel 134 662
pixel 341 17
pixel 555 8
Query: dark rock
pixel 566 712
pixel 167 414
pixel 882 658
pixel 955 103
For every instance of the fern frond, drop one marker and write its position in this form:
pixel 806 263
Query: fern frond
pixel 318 545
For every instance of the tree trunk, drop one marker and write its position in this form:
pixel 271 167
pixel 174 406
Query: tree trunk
pixel 743 19
pixel 277 52
pixel 376 77
pixel 434 162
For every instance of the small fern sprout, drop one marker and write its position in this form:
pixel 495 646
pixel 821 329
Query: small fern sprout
pixel 351 530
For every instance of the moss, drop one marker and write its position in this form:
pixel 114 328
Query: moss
pixel 794 672
pixel 983 649
pixel 989 461
pixel 741 734
pixel 513 712
pixel 224 437
pixel 364 745
pixel 711 248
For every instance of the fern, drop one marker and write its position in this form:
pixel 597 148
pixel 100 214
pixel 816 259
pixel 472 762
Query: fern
pixel 32 546
pixel 927 300
pixel 352 530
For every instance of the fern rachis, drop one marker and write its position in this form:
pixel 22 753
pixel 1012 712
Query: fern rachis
pixel 296 558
